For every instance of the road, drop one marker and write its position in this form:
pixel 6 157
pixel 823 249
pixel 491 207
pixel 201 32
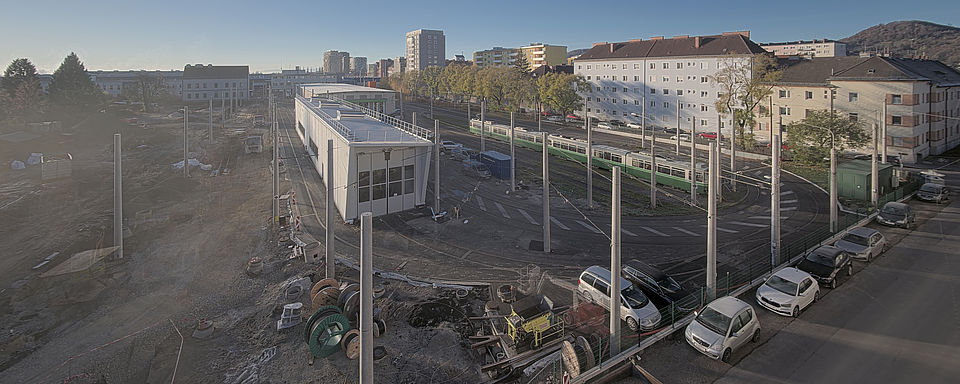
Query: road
pixel 897 321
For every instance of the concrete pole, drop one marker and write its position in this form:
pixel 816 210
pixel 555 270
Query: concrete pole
pixel 733 150
pixel 483 122
pixel 615 265
pixel 117 197
pixel 643 124
pixel 712 186
pixel 586 122
pixel 431 103
pixel 589 164
pixel 775 201
pixel 329 240
pixel 210 127
pixel 513 158
pixel 186 123
pixel 276 168
pixel 719 140
pixel 436 165
pixel 413 119
pixel 833 187
pixel 546 194
pixel 653 177
pixel 223 112
pixel 678 127
pixel 874 177
pixel 693 160
pixel 468 113
pixel 366 298
pixel 883 133
pixel 540 118
pixel 771 121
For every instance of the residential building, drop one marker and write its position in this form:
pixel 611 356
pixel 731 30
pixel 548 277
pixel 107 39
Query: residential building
pixel 333 62
pixel 808 49
pixel 545 69
pixel 425 48
pixel 345 64
pixel 544 54
pixel 922 100
pixel 285 83
pixel 113 83
pixel 664 74
pixel 496 57
pixel 399 65
pixel 215 82
pixel 260 85
pixel 373 69
pixel 358 66
pixel 383 69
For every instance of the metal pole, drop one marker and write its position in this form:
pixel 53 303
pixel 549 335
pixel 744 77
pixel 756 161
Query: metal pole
pixel 276 168
pixel 874 177
pixel 413 119
pixel 589 164
pixel 431 103
pixel 712 224
pixel 366 298
pixel 678 127
pixel 328 210
pixel 540 117
pixel 653 177
pixel 436 164
pixel 733 150
pixel 693 160
pixel 719 161
pixel 483 122
pixel 546 194
pixel 643 124
pixel 117 197
pixel 210 127
pixel 775 201
pixel 468 114
pixel 615 265
pixel 513 158
pixel 771 121
pixel 833 186
pixel 883 133
pixel 223 112
pixel 186 123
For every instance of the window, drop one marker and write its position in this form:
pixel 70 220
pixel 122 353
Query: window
pixel 601 286
pixel 784 93
pixel 364 184
pixel 396 181
pixel 666 79
pixel 808 95
pixel 589 66
pixel 614 89
pixel 636 66
pixel 624 66
pixel 666 65
pixel 703 93
pixel 679 79
pixel 624 101
pixel 785 111
pixel 703 79
pixel 703 122
pixel 666 104
pixel 666 91
pixel 736 325
pixel 636 102
pixel 653 66
pixel 588 77
pixel 896 120
pixel 626 90
pixel 653 91
pixel 636 78
pixel 703 108
pixel 896 99
pixel 580 66
pixel 679 92
pixel 624 78
pixel 379 184
pixel 679 65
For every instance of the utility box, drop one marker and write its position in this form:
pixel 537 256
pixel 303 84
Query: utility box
pixel 853 179
pixel 253 144
pixel 497 163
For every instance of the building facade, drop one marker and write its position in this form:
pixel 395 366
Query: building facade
pixel 808 49
pixel 358 66
pixel 539 54
pixel 379 100
pixel 666 74
pixel 115 83
pixel 383 68
pixel 399 66
pixel 215 82
pixel 285 83
pixel 921 99
pixel 496 57
pixel 425 48
pixel 373 69
pixel 333 62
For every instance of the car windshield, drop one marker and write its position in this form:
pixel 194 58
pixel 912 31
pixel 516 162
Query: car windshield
pixel 930 188
pixel 782 285
pixel 714 321
pixel 893 210
pixel 820 259
pixel 634 297
pixel 856 239
pixel 669 284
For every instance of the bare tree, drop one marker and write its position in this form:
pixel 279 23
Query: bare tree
pixel 744 83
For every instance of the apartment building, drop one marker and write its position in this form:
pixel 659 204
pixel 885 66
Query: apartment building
pixel 921 99
pixel 358 66
pixel 383 68
pixel 399 66
pixel 496 57
pixel 539 54
pixel 808 49
pixel 284 84
pixel 663 73
pixel 425 48
pixel 114 83
pixel 336 62
pixel 215 82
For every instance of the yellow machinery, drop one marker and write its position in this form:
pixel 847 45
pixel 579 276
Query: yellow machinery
pixel 532 322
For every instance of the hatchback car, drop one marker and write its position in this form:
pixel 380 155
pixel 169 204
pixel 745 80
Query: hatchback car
pixel 862 243
pixel 662 289
pixel 683 137
pixel 633 125
pixel 604 125
pixel 826 264
pixel 933 192
pixel 722 326
pixel 709 135
pixel 788 291
pixel 447 145
pixel 555 118
pixel 896 215
pixel 635 308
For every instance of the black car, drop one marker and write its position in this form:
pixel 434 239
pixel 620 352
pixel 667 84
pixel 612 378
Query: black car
pixel 662 289
pixel 893 159
pixel 672 130
pixel 826 265
pixel 616 123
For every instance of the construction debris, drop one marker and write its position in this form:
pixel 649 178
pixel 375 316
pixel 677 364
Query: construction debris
pixel 203 330
pixel 291 316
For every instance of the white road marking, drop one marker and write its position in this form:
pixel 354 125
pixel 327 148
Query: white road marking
pixel 588 226
pixel 559 224
pixel 722 229
pixel 789 209
pixel 784 193
pixel 483 207
pixel 788 201
pixel 628 232
pixel 768 217
pixel 654 231
pixel 749 224
pixel 686 231
pixel 502 211
pixel 527 215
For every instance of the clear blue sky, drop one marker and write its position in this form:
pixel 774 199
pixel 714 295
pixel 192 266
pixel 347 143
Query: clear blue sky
pixel 268 35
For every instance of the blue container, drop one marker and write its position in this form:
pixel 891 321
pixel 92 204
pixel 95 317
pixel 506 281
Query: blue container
pixel 497 163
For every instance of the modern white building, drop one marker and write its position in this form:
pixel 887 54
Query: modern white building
pixel 663 73
pixel 379 100
pixel 808 49
pixel 425 48
pixel 381 164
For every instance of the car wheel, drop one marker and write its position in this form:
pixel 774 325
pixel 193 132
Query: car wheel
pixel 755 337
pixel 796 311
pixel 725 357
pixel 833 284
pixel 632 324
pixel 816 296
pixel 869 257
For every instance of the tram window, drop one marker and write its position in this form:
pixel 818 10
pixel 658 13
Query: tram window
pixel 678 173
pixel 616 158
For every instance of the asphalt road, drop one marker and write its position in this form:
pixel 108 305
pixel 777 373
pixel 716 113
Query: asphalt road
pixel 896 321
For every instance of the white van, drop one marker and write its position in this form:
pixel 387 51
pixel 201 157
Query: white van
pixel 635 308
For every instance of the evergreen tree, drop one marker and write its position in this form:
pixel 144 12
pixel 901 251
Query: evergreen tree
pixel 20 71
pixel 21 99
pixel 521 64
pixel 72 88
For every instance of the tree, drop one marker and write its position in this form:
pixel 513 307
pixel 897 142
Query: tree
pixel 744 84
pixel 521 64
pixel 71 87
pixel 20 71
pixel 22 100
pixel 811 138
pixel 559 90
pixel 147 89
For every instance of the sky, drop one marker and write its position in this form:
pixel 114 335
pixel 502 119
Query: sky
pixel 268 36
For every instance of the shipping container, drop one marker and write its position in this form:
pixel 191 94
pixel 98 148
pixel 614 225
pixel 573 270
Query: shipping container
pixel 497 163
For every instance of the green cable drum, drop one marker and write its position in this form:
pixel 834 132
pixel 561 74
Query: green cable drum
pixel 326 333
pixel 319 314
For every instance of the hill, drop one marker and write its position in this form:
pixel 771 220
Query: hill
pixel 910 39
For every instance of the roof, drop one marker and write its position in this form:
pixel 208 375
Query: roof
pixel 322 88
pixel 863 231
pixel 654 273
pixel 715 45
pixel 822 70
pixel 210 71
pixel 496 155
pixel 357 127
pixel 861 166
pixel 728 305
pixel 792 274
pixel 604 274
pixel 803 42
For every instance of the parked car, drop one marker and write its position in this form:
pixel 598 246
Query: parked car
pixel 616 123
pixel 722 326
pixel 473 168
pixel 896 215
pixel 635 308
pixel 604 125
pixel 447 145
pixel 788 291
pixel 709 135
pixel 932 192
pixel 572 117
pixel 555 118
pixel 826 264
pixel 662 289
pixel 893 159
pixel 931 176
pixel 633 125
pixel 683 137
pixel 863 243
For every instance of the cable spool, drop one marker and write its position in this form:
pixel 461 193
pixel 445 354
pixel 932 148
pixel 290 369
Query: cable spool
pixel 346 293
pixel 350 344
pixel 324 283
pixel 326 333
pixel 351 307
pixel 589 359
pixel 568 353
pixel 319 314
pixel 326 296
pixel 379 327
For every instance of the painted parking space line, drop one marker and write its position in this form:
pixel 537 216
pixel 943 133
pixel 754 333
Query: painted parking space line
pixel 784 193
pixel 483 207
pixel 527 215
pixel 686 231
pixel 723 229
pixel 628 232
pixel 789 209
pixel 654 231
pixel 767 217
pixel 788 201
pixel 502 211
pixel 749 224
pixel 588 226
pixel 559 224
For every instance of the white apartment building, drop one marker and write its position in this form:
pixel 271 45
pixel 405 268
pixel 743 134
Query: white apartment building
pixel 662 73
pixel 425 48
pixel 808 49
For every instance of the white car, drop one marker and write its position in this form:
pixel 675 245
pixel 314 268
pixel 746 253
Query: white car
pixel 555 119
pixel 447 145
pixel 788 292
pixel 722 326
pixel 633 125
pixel 635 308
pixel 862 243
pixel 683 137
pixel 604 125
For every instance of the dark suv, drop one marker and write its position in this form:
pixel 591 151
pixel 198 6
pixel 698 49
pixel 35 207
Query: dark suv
pixel 662 289
pixel 826 265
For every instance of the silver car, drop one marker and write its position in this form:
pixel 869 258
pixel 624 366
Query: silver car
pixel 933 192
pixel 862 243
pixel 722 326
pixel 788 291
pixel 635 308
